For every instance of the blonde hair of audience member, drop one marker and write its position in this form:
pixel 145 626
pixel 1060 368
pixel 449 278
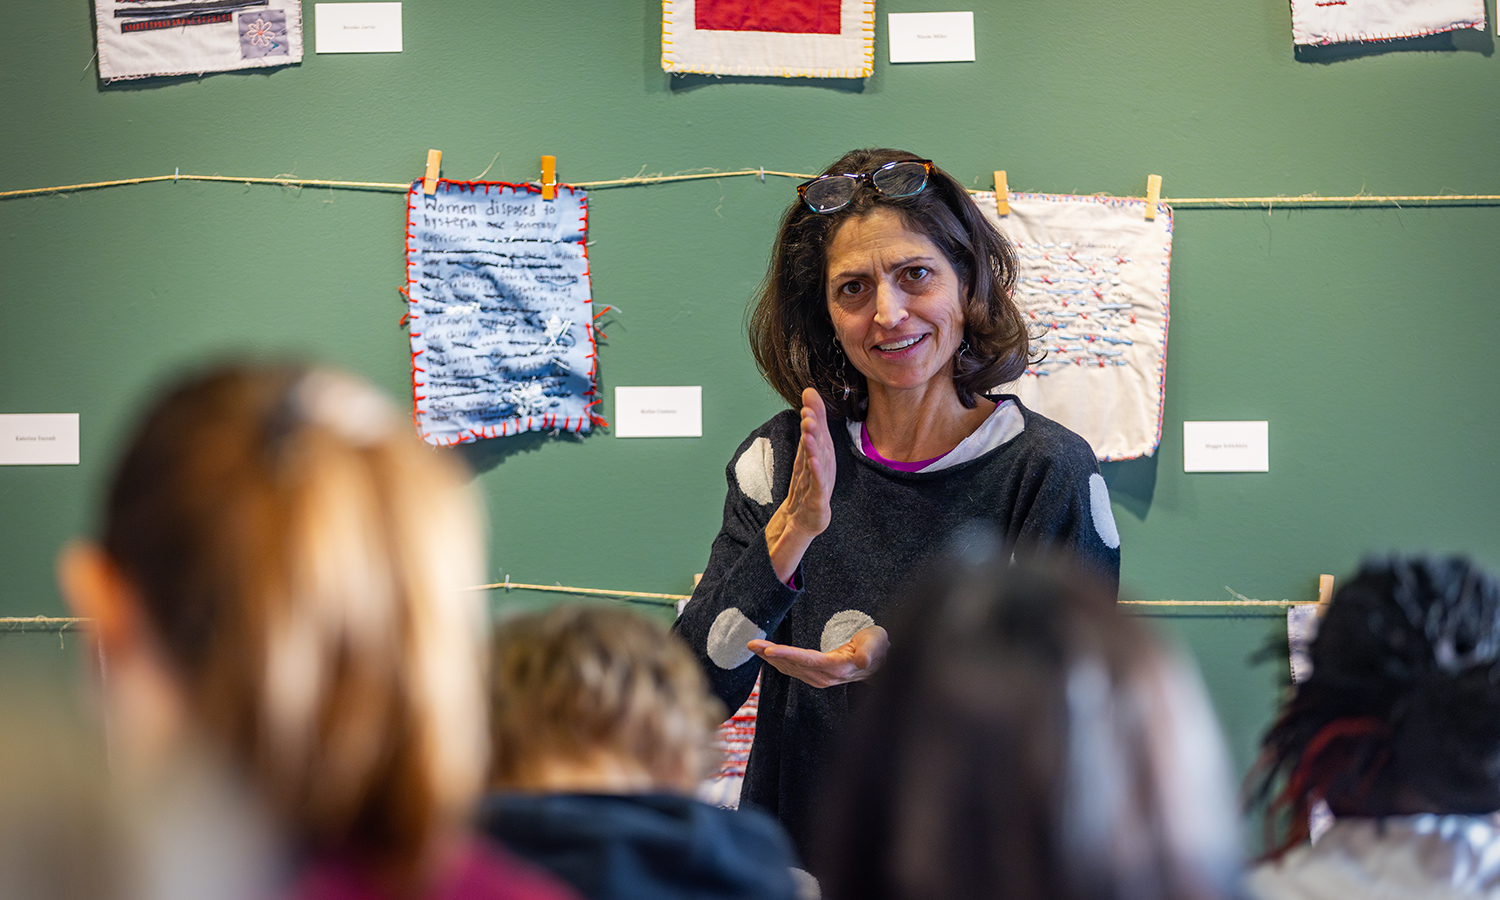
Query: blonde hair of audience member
pixel 597 699
pixel 279 580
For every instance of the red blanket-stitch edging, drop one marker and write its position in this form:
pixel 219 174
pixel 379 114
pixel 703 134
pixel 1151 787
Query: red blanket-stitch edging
pixel 1373 38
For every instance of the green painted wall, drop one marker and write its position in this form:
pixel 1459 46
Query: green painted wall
pixel 1366 337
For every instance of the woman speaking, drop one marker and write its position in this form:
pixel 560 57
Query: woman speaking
pixel 885 321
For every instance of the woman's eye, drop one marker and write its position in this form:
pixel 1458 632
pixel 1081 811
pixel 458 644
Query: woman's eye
pixel 850 288
pixel 917 273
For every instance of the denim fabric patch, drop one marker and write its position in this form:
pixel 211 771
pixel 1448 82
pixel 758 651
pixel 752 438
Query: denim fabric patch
pixel 501 314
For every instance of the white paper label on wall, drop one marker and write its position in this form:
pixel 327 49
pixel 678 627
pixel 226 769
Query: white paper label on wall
pixel 1226 447
pixel 659 411
pixel 357 27
pixel 39 439
pixel 931 37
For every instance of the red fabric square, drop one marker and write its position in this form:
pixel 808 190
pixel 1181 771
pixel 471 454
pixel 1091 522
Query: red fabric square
pixel 784 16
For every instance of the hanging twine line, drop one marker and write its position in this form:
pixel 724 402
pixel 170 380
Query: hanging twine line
pixel 508 585
pixel 48 623
pixel 1315 201
pixel 403 186
pixel 1268 203
pixel 42 623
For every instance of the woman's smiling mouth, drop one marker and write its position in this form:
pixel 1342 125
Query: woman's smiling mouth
pixel 897 346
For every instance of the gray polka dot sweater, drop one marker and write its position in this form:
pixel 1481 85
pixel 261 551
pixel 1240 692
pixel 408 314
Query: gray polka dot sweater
pixel 1041 490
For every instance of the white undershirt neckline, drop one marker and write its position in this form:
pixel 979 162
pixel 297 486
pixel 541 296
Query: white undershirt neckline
pixel 1004 423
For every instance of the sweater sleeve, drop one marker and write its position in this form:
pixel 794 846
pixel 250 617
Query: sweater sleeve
pixel 740 599
pixel 1064 504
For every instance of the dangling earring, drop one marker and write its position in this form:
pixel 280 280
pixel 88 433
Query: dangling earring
pixel 842 375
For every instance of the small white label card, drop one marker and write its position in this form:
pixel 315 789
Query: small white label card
pixel 357 27
pixel 39 439
pixel 659 411
pixel 931 37
pixel 1226 447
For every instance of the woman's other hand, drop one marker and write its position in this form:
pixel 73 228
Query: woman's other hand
pixel 806 510
pixel 854 661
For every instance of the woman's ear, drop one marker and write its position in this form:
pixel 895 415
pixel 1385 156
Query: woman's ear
pixel 95 589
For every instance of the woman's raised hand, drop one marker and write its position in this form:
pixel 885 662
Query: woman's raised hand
pixel 806 510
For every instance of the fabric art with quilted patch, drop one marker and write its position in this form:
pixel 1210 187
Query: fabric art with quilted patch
pixel 144 38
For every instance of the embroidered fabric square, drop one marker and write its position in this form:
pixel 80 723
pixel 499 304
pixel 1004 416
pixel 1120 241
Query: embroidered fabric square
pixel 1093 284
pixel 1340 21
pixel 502 337
pixel 785 38
pixel 1301 628
pixel 141 38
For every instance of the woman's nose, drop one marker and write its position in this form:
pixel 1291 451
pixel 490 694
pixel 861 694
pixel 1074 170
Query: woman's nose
pixel 890 306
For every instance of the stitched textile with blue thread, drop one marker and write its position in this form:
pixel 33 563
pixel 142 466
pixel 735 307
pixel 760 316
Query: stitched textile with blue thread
pixel 502 336
pixel 1093 282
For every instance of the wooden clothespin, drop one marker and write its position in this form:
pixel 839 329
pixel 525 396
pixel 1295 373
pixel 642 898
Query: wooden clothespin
pixel 549 177
pixel 1153 194
pixel 430 179
pixel 1002 193
pixel 1325 593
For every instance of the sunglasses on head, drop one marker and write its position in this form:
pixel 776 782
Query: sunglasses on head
pixel 831 193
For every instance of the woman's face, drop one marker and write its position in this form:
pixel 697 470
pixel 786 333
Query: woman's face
pixel 896 303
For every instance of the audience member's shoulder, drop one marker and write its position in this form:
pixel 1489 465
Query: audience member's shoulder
pixel 489 872
pixel 754 828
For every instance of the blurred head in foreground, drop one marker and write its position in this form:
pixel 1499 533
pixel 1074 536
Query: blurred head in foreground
pixel 60 838
pixel 1027 739
pixel 1401 714
pixel 277 584
pixel 589 698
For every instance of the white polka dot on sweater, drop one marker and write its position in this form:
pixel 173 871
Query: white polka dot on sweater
pixel 727 638
pixel 755 469
pixel 842 626
pixel 1104 517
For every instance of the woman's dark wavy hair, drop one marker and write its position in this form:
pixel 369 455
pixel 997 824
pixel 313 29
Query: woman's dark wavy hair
pixel 1026 739
pixel 1401 713
pixel 791 334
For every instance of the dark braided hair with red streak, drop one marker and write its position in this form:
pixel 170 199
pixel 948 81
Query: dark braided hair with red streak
pixel 1401 714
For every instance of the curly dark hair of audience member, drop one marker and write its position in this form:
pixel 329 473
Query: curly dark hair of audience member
pixel 1027 739
pixel 791 334
pixel 1401 713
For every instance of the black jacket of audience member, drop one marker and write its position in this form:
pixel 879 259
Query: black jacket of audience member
pixel 656 846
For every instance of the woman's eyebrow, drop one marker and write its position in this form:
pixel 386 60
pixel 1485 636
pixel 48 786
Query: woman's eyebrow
pixel 919 258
